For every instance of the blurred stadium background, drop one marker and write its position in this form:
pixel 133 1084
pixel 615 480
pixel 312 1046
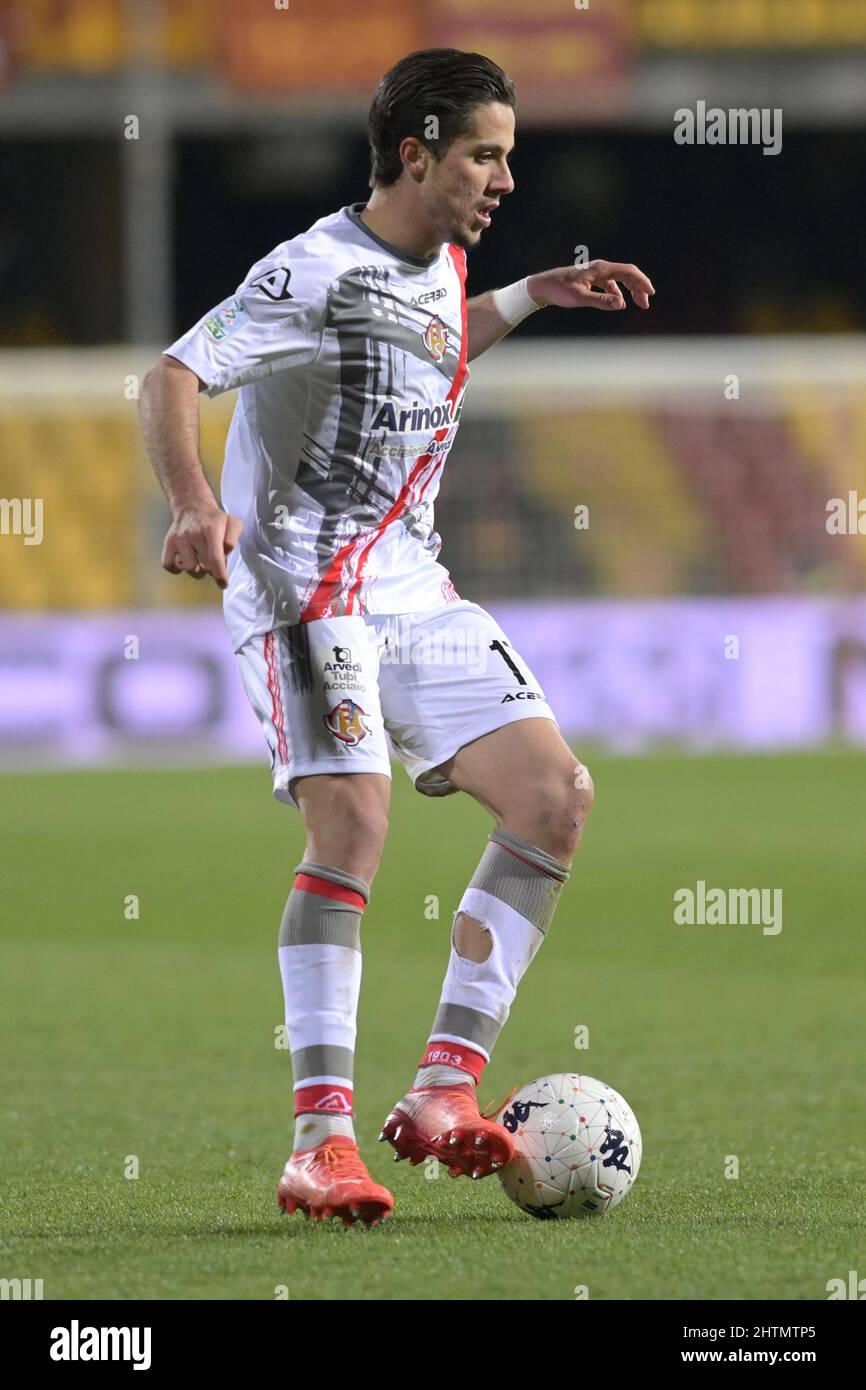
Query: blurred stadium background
pixel 704 609
pixel 152 151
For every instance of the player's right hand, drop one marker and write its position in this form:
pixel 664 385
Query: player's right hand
pixel 198 541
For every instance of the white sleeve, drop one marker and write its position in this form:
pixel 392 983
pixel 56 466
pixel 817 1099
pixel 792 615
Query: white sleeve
pixel 274 320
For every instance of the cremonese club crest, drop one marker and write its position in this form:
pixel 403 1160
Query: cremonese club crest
pixel 436 338
pixel 346 722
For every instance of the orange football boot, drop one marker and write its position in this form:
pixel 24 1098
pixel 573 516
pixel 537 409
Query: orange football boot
pixel 332 1180
pixel 445 1121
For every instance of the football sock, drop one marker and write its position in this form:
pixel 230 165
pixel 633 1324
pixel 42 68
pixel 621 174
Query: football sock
pixel 320 964
pixel 513 895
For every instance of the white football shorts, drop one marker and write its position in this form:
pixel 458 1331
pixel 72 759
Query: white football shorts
pixel 343 694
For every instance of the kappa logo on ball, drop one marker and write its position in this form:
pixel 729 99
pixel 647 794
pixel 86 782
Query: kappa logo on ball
pixel 346 722
pixel 436 338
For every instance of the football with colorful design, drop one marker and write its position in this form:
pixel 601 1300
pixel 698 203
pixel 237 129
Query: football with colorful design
pixel 578 1147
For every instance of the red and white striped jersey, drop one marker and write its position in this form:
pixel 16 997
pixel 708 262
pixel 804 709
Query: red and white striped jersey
pixel 350 356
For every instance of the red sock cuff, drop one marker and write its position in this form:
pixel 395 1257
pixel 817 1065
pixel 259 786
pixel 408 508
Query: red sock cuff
pixel 324 888
pixel 440 1053
pixel 323 1098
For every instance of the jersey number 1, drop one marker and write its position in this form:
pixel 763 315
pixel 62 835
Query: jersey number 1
pixel 498 647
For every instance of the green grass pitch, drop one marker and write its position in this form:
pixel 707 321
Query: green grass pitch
pixel 154 1038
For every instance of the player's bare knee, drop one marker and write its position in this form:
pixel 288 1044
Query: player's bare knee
pixel 584 789
pixel 578 800
pixel 346 820
pixel 561 810
pixel 472 939
pixel 350 838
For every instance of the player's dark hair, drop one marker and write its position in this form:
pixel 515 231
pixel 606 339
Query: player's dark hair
pixel 440 82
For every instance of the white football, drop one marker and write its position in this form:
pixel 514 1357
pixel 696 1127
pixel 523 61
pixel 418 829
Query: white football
pixel 577 1147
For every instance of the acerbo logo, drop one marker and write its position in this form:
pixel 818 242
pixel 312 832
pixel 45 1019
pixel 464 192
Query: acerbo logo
pixel 430 297
pixel 391 416
pixel 523 695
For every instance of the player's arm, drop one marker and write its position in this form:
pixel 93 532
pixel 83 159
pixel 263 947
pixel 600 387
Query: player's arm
pixel 273 322
pixel 595 285
pixel 201 534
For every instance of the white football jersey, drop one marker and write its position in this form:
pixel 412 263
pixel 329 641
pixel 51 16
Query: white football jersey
pixel 351 360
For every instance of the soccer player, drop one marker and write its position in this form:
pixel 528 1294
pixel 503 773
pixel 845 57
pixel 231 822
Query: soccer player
pixel 350 344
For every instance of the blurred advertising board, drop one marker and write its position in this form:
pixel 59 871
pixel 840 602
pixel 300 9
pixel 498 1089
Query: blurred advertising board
pixel 147 688
pixel 564 60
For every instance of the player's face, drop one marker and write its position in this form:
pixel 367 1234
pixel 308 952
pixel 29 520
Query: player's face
pixel 465 186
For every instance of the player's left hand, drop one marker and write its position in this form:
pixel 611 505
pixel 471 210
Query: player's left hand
pixel 591 286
